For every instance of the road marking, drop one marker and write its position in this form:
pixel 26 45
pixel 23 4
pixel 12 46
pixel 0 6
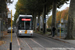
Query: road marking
pixel 38 44
pixel 18 43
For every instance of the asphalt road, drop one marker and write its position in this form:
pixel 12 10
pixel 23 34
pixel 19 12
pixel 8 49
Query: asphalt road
pixel 39 42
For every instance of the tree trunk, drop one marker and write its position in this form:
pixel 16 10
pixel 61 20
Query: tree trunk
pixel 54 14
pixel 71 21
pixel 39 21
pixel 44 15
pixel 34 22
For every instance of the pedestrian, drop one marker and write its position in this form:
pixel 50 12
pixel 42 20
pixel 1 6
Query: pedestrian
pixel 53 31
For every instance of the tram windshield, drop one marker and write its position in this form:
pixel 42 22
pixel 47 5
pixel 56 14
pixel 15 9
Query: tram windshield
pixel 25 23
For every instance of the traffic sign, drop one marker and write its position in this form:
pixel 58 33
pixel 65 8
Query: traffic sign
pixel 9 14
pixel 45 20
pixel 37 24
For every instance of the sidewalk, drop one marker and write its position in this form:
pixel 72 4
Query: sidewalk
pixel 59 39
pixel 7 39
pixel 62 39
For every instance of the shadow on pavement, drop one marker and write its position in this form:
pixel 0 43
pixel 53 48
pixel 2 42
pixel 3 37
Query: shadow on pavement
pixel 26 37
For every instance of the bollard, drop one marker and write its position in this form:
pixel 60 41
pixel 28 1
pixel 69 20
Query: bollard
pixel 10 45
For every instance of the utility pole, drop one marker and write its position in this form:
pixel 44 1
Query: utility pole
pixel 11 32
pixel 9 1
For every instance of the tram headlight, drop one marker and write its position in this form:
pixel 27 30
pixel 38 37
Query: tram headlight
pixel 31 31
pixel 20 31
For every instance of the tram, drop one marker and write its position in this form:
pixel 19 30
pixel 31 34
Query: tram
pixel 24 24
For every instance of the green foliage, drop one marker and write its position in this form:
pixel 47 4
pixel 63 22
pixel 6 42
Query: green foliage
pixel 35 6
pixel 58 16
pixel 15 17
pixel 3 6
pixel 49 21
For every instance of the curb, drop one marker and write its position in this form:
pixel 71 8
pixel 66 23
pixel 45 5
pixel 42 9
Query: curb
pixel 62 40
pixel 56 38
pixel 59 39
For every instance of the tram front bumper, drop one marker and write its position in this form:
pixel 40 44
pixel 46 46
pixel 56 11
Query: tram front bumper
pixel 28 34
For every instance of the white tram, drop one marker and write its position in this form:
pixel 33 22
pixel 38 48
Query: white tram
pixel 24 25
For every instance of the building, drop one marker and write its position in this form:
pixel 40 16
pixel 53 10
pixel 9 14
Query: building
pixel 41 21
pixel 62 28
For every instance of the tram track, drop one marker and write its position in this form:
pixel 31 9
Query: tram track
pixel 39 42
pixel 24 42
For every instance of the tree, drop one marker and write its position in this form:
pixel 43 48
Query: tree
pixel 49 22
pixel 3 12
pixel 64 13
pixel 71 21
pixel 56 4
pixel 36 7
pixel 59 15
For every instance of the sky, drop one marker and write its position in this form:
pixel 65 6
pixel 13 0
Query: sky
pixel 12 7
pixel 64 6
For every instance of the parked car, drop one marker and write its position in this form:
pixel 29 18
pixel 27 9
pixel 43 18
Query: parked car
pixel 9 30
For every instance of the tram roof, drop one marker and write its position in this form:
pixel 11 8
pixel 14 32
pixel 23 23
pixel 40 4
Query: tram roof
pixel 23 16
